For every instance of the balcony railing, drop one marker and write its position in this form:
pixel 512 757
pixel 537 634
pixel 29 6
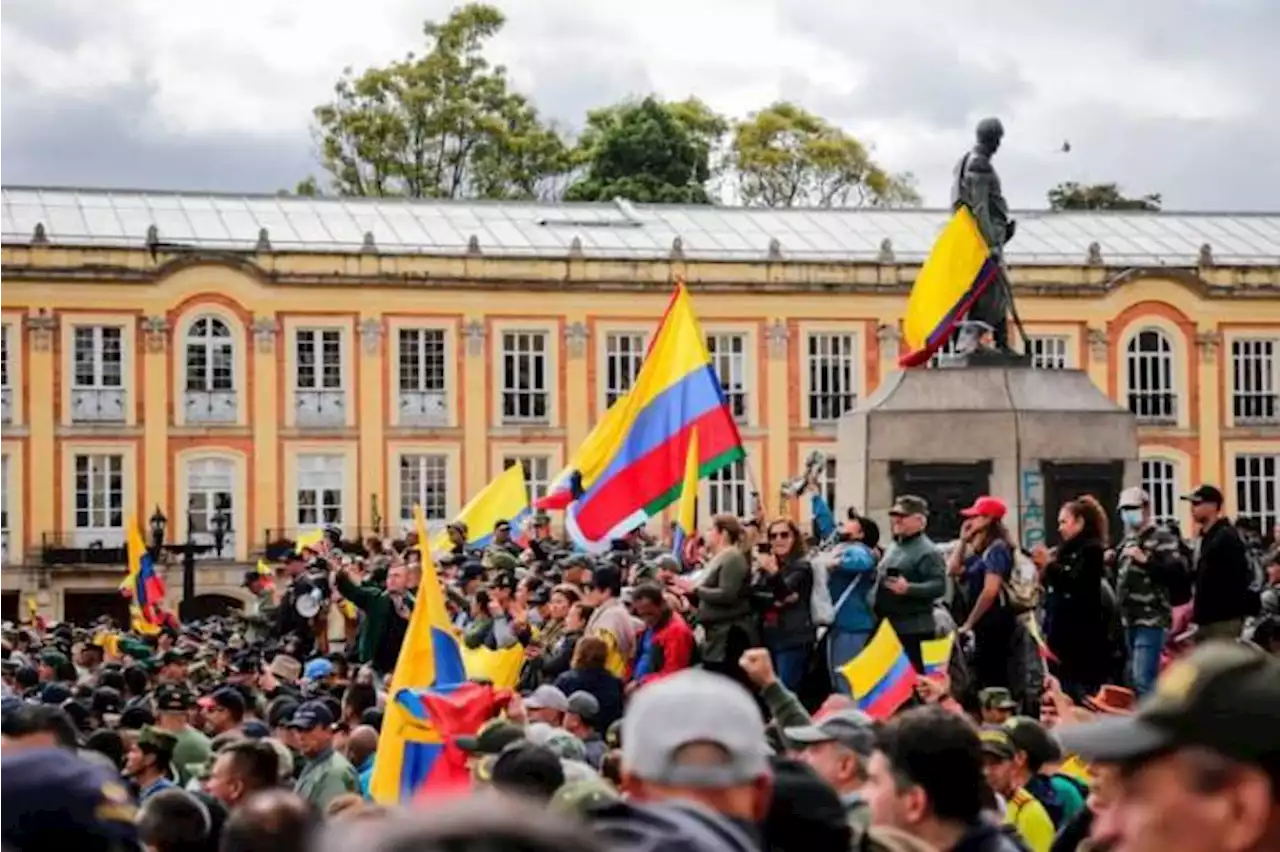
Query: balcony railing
pixel 320 407
pixel 78 548
pixel 423 408
pixel 97 405
pixel 201 406
pixel 279 542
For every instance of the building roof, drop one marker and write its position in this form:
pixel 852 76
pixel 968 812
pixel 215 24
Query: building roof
pixel 619 229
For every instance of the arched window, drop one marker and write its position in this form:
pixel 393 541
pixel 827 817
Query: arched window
pixel 211 374
pixel 1152 396
pixel 211 494
pixel 1160 481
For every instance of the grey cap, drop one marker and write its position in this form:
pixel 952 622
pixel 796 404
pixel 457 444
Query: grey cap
pixel 694 706
pixel 909 504
pixel 584 704
pixel 547 697
pixel 1133 498
pixel 852 729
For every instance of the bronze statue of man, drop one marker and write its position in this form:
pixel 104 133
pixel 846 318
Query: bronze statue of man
pixel 977 186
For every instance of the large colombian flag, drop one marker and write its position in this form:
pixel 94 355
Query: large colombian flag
pixel 506 498
pixel 632 465
pixel 958 270
pixel 881 677
pixel 143 585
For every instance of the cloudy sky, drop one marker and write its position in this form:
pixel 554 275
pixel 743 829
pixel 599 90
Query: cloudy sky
pixel 1161 96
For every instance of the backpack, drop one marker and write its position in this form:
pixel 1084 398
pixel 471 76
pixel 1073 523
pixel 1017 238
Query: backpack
pixel 821 608
pixel 1021 589
pixel 1177 581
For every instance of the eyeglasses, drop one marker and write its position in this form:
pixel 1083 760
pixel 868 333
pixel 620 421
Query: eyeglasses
pixel 780 534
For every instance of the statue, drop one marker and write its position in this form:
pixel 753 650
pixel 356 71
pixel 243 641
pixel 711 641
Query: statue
pixel 977 186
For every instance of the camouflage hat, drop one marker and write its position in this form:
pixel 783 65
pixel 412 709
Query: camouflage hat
pixel 500 560
pixel 583 797
pixel 566 746
pixel 152 737
pixel 909 504
pixel 613 734
pixel 997 743
pixel 492 738
pixel 996 698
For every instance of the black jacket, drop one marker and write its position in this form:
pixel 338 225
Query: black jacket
pixel 789 624
pixel 1222 576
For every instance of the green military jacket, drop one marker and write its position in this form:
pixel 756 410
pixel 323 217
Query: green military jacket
pixel 325 777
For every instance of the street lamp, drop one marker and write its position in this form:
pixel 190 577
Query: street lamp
pixel 158 524
pixel 221 523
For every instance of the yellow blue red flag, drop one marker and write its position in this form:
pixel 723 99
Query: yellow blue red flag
pixel 936 654
pixel 143 585
pixel 687 513
pixel 506 498
pixel 881 677
pixel 959 268
pixel 632 465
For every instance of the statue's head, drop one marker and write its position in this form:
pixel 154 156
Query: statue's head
pixel 990 132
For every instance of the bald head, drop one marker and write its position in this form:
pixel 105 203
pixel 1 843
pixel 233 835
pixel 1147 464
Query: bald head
pixel 362 743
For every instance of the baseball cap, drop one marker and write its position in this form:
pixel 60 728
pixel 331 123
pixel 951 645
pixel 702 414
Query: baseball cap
pixel 152 737
pixel 492 738
pixel 1133 498
pixel 226 697
pixel 997 743
pixel 909 504
pixel 54 799
pixel 996 698
pixel 1205 494
pixel 310 715
pixel 528 769
pixel 583 797
pixel 689 707
pixel 1223 696
pixel 986 507
pixel 584 704
pixel 317 669
pixel 504 581
pixel 547 697
pixel 54 693
pixel 565 745
pixel 852 729
pixel 471 570
pixel 173 698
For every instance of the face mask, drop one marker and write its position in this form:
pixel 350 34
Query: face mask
pixel 1131 517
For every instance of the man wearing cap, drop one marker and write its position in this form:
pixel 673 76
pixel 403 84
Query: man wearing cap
pixel 192 748
pixel 1199 763
pixel 51 799
pixel 837 748
pixel 1022 810
pixel 263 613
pixel 996 705
pixel 1034 748
pixel 493 736
pixel 546 704
pixel 502 542
pixel 496 629
pixel 326 774
pixel 1149 563
pixel 1223 597
pixel 911 576
pixel 579 720
pixel 149 760
pixel 698 736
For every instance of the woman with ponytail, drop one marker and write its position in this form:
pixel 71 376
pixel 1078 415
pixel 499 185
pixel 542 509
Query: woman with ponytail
pixel 1076 621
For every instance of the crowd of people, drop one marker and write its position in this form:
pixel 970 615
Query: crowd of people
pixel 1115 692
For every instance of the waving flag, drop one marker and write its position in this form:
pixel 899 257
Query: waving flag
pixel 632 465
pixel 500 668
pixel 881 677
pixel 412 746
pixel 936 654
pixel 687 514
pixel 506 498
pixel 143 585
pixel 959 268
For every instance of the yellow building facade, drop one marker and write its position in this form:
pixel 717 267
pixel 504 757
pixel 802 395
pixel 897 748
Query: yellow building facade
pixel 292 362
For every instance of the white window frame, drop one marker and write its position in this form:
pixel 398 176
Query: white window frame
pixel 4 508
pixel 1260 471
pixel 1160 481
pixel 1049 351
pixel 1151 377
pixel 6 388
pixel 526 355
pixel 210 394
pixel 827 482
pixel 424 481
pixel 624 353
pixel 537 472
pixel 728 351
pixel 729 490
pixel 320 487
pixel 99 395
pixel 832 362
pixel 320 400
pixel 102 522
pixel 211 483
pixel 1255 388
pixel 422 375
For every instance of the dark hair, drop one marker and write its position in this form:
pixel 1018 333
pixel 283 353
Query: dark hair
pixel 135 680
pixel 570 593
pixel 1087 509
pixel 174 821
pixel 650 592
pixel 31 719
pixel 728 526
pixel 805 812
pixel 870 532
pixel 108 743
pixel 585 611
pixel 359 698
pixel 255 762
pixel 608 578
pixel 939 752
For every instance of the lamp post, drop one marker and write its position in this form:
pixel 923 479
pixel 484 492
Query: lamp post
pixel 158 524
pixel 220 521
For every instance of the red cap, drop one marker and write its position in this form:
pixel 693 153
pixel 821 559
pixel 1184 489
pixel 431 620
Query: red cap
pixel 989 507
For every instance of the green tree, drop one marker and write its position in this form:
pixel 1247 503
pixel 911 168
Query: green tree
pixel 785 156
pixel 647 152
pixel 442 125
pixel 1070 195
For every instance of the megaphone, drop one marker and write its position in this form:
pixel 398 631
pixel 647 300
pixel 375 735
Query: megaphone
pixel 308 604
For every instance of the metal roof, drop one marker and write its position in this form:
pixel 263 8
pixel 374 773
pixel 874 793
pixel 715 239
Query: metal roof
pixel 122 218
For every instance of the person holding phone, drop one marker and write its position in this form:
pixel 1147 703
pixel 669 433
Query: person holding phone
pixel 912 576
pixel 786 574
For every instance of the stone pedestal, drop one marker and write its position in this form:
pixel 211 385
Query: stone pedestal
pixel 1034 438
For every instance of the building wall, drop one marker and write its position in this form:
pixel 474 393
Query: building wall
pixel 267 300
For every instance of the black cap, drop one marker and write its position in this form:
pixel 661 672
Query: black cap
pixel 1224 697
pixel 504 581
pixel 472 569
pixel 226 697
pixel 54 693
pixel 1206 494
pixel 311 715
pixel 173 698
pixel 527 769
pixel 606 576
pixel 106 700
pixel 492 738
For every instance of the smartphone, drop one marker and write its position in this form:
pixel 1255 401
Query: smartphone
pixel 893 572
pixel 763 548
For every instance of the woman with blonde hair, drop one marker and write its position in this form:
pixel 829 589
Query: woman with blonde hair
pixel 724 601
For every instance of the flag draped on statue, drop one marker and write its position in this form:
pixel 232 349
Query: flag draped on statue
pixel 959 268
pixel 687 513
pixel 430 702
pixel 632 465
pixel 142 585
pixel 881 677
pixel 506 498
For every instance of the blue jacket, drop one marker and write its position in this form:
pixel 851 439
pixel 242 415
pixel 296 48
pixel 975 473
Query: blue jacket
pixel 854 563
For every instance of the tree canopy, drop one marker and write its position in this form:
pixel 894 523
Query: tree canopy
pixel 1070 195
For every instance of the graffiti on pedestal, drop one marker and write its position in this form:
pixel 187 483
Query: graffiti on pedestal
pixel 1032 501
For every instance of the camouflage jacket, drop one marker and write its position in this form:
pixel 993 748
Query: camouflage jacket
pixel 1141 596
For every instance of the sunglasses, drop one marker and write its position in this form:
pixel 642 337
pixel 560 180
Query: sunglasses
pixel 781 534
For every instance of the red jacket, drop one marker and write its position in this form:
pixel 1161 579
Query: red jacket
pixel 664 649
